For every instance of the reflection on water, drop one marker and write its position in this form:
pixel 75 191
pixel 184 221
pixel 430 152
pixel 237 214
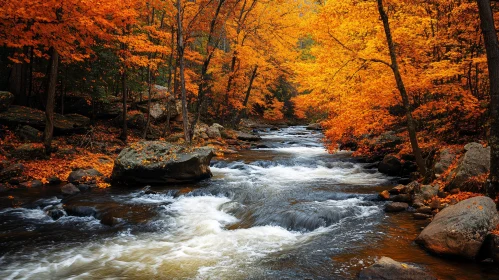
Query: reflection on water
pixel 289 211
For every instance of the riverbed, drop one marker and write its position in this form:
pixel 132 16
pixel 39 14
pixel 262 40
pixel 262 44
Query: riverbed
pixel 286 210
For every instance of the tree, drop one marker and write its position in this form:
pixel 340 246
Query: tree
pixel 411 126
pixel 492 48
pixel 181 61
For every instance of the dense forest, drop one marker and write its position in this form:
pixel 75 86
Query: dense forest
pixel 103 93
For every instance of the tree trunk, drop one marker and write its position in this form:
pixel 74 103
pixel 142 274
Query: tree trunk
pixel 180 49
pixel 124 131
pixel 49 109
pixel 244 111
pixel 149 89
pixel 411 126
pixel 492 48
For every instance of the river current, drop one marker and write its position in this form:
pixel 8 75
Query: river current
pixel 287 210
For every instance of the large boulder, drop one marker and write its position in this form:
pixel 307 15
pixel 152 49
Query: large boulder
pixel 29 151
pixel 459 230
pixel 396 207
pixel 214 131
pixel 387 268
pixel 29 134
pixel 444 161
pixel 19 115
pixel 6 99
pixel 157 162
pixel 248 137
pixel 476 161
pixel 390 165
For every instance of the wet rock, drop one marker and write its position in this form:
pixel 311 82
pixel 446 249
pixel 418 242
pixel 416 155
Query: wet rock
pixel 84 187
pixel 11 171
pixel 55 213
pixel 476 161
pixel 54 180
pixel 314 126
pixel 424 210
pixel 69 189
pixel 390 165
pixel 81 211
pixel 83 175
pixel 396 207
pixel 108 219
pixel 444 161
pixel 402 198
pixel 421 216
pixel 6 99
pixel 29 152
pixel 157 162
pixel 459 230
pixel 262 146
pixel 29 134
pixel 400 189
pixel 384 195
pixel 388 269
pixel 18 115
pixel 248 137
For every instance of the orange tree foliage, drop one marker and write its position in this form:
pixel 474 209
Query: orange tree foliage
pixel 343 71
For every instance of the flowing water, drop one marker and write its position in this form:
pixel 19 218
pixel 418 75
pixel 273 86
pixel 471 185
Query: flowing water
pixel 287 211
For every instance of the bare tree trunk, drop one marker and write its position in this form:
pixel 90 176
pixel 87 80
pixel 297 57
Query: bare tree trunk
pixel 411 126
pixel 492 48
pixel 49 109
pixel 124 131
pixel 244 111
pixel 180 49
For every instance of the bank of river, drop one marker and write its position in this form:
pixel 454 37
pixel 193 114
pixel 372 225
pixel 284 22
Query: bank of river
pixel 287 211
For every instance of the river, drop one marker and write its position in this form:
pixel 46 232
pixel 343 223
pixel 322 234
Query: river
pixel 288 210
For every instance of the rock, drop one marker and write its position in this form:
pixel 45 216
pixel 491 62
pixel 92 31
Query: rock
pixel 248 137
pixel 442 194
pixel 262 146
pixel 435 203
pixel 213 132
pixel 388 139
pixel 6 99
pixel 19 115
pixel 3 188
pixel 55 213
pixel 390 165
pixel 455 191
pixel 81 176
pixel 413 187
pixel 388 269
pixel 421 216
pixel 476 161
pixel 29 152
pixel 490 248
pixel 54 180
pixel 398 189
pixel 428 192
pixel 84 187
pixel 81 211
pixel 133 121
pixel 109 220
pixel 11 171
pixel 29 134
pixel 424 210
pixel 157 162
pixel 384 195
pixel 314 126
pixel 78 120
pixel 402 198
pixel 459 230
pixel 32 184
pixel 444 161
pixel 69 189
pixel 396 207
